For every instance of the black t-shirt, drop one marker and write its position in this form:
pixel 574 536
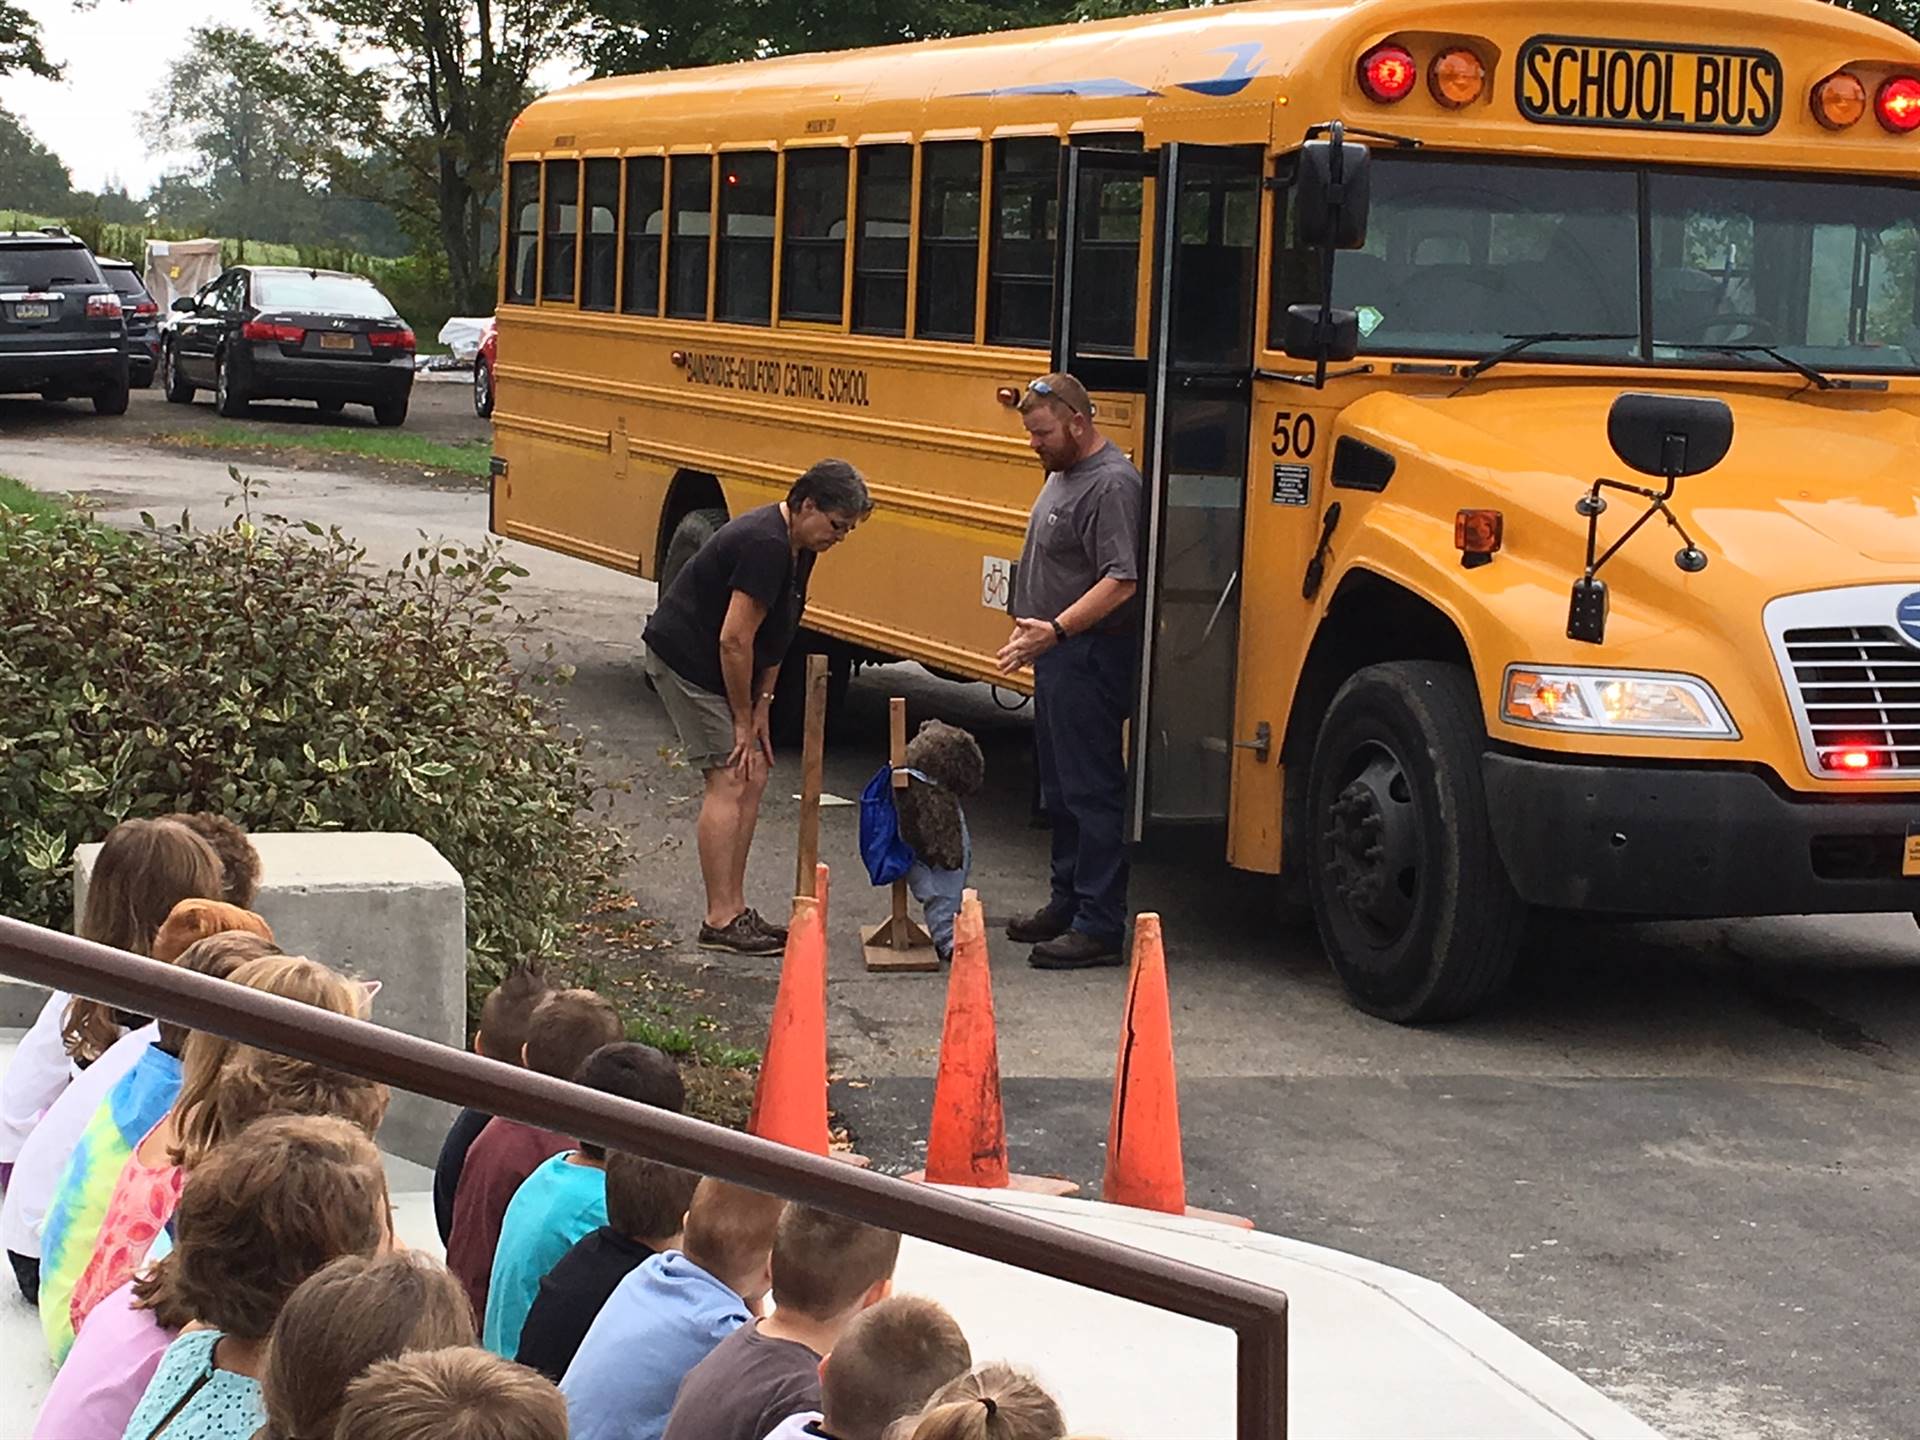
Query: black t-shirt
pixel 466 1129
pixel 752 554
pixel 571 1296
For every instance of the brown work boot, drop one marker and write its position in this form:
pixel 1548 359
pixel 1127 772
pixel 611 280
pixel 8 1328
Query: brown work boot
pixel 1043 925
pixel 1075 950
pixel 740 936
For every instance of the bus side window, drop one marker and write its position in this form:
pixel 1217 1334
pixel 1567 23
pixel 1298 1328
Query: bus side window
pixel 747 189
pixel 1026 227
pixel 687 249
pixel 645 226
pixel 813 253
pixel 601 240
pixel 523 232
pixel 562 231
pixel 949 239
pixel 884 215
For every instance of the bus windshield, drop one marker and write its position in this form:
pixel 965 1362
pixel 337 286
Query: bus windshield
pixel 1463 255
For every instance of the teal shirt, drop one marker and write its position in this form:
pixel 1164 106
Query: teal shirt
pixel 555 1206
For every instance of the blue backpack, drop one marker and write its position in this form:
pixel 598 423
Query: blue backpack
pixel 887 856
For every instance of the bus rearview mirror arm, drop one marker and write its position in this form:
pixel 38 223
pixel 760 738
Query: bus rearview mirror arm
pixel 1330 202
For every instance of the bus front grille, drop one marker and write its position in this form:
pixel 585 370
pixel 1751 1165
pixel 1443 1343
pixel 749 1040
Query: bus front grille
pixel 1856 692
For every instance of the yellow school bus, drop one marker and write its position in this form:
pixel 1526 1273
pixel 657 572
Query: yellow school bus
pixel 1528 396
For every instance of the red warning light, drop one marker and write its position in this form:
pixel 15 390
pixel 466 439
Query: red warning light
pixel 1851 758
pixel 1898 104
pixel 1387 73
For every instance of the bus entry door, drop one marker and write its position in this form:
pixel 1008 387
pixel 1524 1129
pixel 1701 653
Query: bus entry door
pixel 1198 410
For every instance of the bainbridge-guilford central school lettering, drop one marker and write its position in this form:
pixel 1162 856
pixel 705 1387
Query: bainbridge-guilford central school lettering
pixel 788 379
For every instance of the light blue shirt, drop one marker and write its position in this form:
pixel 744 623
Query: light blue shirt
pixel 660 1322
pixel 554 1206
pixel 220 1405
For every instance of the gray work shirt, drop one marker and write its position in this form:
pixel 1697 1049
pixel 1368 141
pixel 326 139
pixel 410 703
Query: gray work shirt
pixel 1085 527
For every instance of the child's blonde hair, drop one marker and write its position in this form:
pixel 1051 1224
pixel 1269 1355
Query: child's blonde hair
pixel 205 1055
pixel 995 1402
pixel 357 1310
pixel 144 869
pixel 455 1394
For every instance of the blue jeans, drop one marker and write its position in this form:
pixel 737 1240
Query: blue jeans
pixel 938 892
pixel 1082 695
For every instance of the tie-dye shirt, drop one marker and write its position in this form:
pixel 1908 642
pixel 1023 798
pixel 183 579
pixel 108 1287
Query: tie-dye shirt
pixel 136 1104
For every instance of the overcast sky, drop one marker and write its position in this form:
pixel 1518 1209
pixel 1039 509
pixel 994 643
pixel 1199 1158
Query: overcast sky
pixel 115 55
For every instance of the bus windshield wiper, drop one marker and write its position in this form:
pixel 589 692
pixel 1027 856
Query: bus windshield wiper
pixel 1542 337
pixel 1748 347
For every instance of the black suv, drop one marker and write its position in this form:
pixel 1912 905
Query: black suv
pixel 61 328
pixel 143 319
pixel 276 332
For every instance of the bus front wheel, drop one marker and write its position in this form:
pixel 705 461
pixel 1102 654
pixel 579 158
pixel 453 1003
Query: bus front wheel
pixel 1411 899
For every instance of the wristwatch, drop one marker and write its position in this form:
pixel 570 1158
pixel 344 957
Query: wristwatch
pixel 1059 631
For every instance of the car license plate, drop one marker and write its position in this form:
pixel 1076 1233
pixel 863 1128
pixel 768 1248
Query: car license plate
pixel 1568 80
pixel 1910 857
pixel 336 342
pixel 32 310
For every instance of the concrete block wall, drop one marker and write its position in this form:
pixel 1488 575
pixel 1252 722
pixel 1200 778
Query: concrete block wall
pixel 379 907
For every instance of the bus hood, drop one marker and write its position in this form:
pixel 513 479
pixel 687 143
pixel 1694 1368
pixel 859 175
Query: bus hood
pixel 1818 489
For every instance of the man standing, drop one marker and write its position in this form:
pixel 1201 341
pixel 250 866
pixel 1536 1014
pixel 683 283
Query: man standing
pixel 1075 623
pixel 714 647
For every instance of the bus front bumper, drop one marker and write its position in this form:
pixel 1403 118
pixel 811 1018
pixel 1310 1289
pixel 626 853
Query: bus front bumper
pixel 1678 841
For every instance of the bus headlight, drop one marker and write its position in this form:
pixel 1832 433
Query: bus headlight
pixel 1627 702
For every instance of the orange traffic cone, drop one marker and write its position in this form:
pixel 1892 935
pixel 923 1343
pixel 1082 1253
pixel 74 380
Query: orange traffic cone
pixel 1144 1166
pixel 967 1141
pixel 790 1101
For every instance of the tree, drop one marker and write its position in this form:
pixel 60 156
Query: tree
pixel 1901 14
pixel 20 44
pixel 417 100
pixel 31 176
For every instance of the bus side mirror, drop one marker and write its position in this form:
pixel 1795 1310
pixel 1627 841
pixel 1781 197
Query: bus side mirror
pixel 1330 194
pixel 1316 333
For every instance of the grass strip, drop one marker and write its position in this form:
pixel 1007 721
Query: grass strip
pixel 23 500
pixel 395 447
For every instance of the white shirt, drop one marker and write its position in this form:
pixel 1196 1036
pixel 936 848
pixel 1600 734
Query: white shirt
pixel 43 1159
pixel 39 1072
pixel 794 1427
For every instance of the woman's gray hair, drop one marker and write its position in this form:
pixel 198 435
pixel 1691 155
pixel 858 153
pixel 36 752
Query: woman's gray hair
pixel 833 486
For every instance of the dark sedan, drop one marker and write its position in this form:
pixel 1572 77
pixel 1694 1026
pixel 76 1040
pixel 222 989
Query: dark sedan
pixel 142 314
pixel 273 332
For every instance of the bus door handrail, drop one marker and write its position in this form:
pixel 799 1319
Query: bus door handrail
pixel 1256 1313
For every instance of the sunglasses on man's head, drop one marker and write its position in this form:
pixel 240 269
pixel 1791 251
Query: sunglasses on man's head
pixel 1041 387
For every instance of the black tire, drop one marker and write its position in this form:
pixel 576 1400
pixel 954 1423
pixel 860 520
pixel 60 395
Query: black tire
pixel 179 389
pixel 390 413
pixel 113 399
pixel 229 390
pixel 482 388
pixel 1412 902
pixel 330 407
pixel 695 529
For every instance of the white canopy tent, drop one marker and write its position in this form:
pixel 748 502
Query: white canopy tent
pixel 179 267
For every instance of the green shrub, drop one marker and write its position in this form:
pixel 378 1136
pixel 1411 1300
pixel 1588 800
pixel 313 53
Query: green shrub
pixel 263 670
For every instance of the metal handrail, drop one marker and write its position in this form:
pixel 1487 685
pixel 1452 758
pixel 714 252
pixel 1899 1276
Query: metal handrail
pixel 1257 1314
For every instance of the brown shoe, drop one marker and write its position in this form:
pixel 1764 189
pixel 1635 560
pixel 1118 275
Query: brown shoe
pixel 1075 950
pixel 740 936
pixel 766 926
pixel 1041 926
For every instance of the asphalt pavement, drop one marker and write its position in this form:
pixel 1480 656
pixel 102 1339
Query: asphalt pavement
pixel 1675 1157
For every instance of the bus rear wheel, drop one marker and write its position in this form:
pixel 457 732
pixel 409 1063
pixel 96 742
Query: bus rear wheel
pixel 1413 904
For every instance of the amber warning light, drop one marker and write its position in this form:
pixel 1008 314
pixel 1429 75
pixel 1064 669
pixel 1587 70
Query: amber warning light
pixel 1839 100
pixel 1457 77
pixel 1387 73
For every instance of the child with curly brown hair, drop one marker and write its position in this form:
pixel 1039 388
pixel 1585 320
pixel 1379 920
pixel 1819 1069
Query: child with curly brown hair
pixel 272 1207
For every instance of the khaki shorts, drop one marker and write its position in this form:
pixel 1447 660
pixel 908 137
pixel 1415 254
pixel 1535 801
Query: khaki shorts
pixel 703 719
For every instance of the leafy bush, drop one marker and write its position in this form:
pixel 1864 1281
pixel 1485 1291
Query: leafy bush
pixel 263 670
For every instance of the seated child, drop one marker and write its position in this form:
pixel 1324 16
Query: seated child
pixel 106 1244
pixel 646 1208
pixel 567 1196
pixel 239 861
pixel 826 1271
pixel 567 1026
pixel 502 1036
pixel 944 767
pixel 667 1316
pixel 452 1395
pixel 44 1156
pixel 144 869
pixel 995 1402
pixel 891 1361
pixel 277 1203
pixel 358 1310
